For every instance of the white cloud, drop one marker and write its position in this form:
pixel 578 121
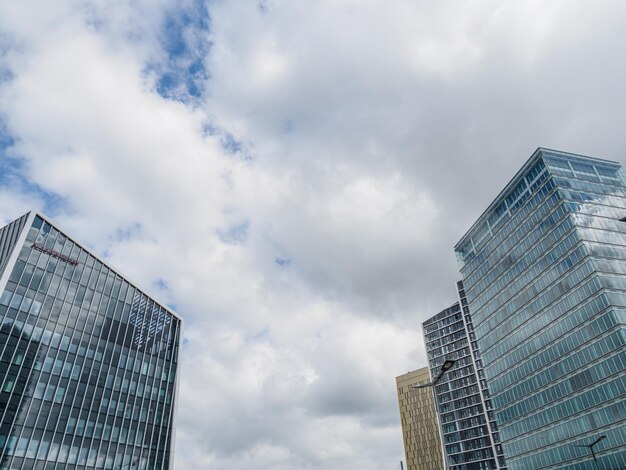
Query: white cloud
pixel 379 130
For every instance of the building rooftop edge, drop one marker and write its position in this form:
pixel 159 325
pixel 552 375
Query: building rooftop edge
pixel 434 317
pixel 413 373
pixel 106 263
pixel 533 158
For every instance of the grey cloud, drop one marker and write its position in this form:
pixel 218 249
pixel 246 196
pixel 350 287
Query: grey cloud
pixel 379 131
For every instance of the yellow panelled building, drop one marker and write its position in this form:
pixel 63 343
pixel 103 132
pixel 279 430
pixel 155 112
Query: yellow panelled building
pixel 420 429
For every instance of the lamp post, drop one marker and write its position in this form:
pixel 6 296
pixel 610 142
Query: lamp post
pixel 446 366
pixel 590 447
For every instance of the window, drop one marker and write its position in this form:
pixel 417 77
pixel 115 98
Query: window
pixel 9 384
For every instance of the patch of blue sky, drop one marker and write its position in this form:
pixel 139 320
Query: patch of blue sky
pixel 182 74
pixel 281 256
pixel 232 146
pixel 261 336
pixel 235 234
pixel 9 168
pixel 235 147
pixel 264 7
pixel 6 75
pixel 210 129
pixel 161 284
pixel 13 175
pixel 128 233
pixel 287 126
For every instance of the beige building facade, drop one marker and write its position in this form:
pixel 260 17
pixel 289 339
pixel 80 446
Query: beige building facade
pixel 420 429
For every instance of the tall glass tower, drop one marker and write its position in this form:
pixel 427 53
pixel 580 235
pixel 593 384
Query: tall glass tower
pixel 468 427
pixel 544 271
pixel 88 362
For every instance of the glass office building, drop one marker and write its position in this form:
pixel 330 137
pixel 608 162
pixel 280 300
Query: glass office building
pixel 468 427
pixel 544 271
pixel 88 362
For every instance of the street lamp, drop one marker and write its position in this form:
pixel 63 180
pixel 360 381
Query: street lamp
pixel 590 447
pixel 447 365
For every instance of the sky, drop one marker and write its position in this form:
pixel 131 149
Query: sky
pixel 291 177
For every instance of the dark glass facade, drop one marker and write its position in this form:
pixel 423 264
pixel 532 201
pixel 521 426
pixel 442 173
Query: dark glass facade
pixel 88 362
pixel 468 426
pixel 544 271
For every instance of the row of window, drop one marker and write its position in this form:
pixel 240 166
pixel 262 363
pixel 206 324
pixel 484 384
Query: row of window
pixel 601 250
pixel 463 413
pixel 433 324
pixel 601 221
pixel 446 330
pixel 445 339
pixel 521 256
pixel 474 457
pixel 76 297
pixel 52 239
pixel 580 166
pixel 588 200
pixel 68 353
pixel 594 187
pixel 528 286
pixel 50 332
pixel 461 357
pixel 58 313
pixel 602 236
pixel 459 403
pixel 610 266
pixel 61 312
pixel 522 288
pixel 467 434
pixel 509 290
pixel 566 301
pixel 610 182
pixel 460 393
pixel 562 338
pixel 449 350
pixel 521 326
pixel 552 416
pixel 467 423
pixel 508 206
pixel 58 395
pixel 591 186
pixel 82 286
pixel 561 454
pixel 545 329
pixel 85 457
pixel 596 373
pixel 95 276
pixel 517 228
pixel 461 447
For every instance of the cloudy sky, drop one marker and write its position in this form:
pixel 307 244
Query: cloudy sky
pixel 291 176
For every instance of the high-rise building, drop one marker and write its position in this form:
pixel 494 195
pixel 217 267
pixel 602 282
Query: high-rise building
pixel 544 271
pixel 420 431
pixel 88 361
pixel 468 427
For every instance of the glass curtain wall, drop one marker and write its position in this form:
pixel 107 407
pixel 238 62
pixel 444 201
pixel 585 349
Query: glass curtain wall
pixel 544 272
pixel 88 365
